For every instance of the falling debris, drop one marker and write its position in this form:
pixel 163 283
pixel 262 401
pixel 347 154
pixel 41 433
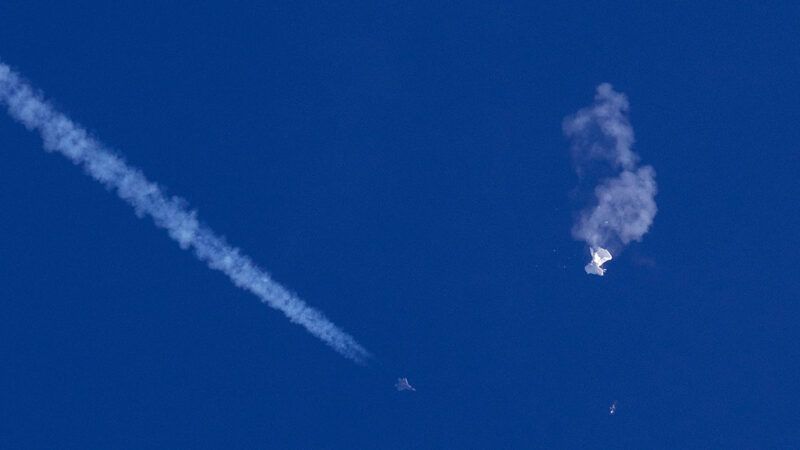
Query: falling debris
pixel 403 385
pixel 599 257
pixel 612 409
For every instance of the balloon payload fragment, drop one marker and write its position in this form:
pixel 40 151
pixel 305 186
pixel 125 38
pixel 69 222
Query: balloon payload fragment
pixel 599 257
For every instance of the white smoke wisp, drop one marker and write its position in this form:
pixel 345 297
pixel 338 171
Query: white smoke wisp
pixel 62 135
pixel 623 205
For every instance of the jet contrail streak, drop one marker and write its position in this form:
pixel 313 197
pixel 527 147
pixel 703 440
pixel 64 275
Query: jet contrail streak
pixel 62 135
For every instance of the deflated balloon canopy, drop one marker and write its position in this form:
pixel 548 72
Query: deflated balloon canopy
pixel 599 257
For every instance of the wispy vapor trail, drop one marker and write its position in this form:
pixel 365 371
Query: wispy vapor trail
pixel 61 135
pixel 624 204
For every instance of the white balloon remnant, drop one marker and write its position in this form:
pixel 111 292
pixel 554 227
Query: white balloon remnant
pixel 599 257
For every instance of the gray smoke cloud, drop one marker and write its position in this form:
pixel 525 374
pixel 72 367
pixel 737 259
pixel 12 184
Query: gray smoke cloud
pixel 62 135
pixel 623 206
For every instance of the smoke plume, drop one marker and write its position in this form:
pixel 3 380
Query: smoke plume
pixel 623 205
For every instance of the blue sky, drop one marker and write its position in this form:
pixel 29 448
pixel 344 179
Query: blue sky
pixel 401 166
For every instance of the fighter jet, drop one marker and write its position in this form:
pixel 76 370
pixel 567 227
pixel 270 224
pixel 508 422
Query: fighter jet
pixel 402 385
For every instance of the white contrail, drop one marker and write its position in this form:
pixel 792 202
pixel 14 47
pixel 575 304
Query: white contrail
pixel 624 194
pixel 61 135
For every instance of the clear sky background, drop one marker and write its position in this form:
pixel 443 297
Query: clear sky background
pixel 401 166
